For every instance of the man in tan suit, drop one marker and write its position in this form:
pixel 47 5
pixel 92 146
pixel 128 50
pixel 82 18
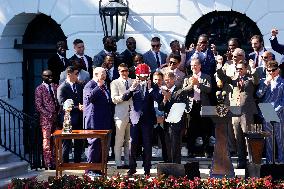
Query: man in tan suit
pixel 121 94
pixel 243 95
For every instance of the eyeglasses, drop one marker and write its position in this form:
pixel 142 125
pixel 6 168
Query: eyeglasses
pixel 156 45
pixel 272 70
pixel 203 42
pixel 123 70
pixel 264 57
pixel 172 62
pixel 237 55
pixel 48 76
pixel 239 68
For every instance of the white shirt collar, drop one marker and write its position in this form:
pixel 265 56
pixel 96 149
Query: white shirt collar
pixel 60 56
pixel 173 88
pixel 79 56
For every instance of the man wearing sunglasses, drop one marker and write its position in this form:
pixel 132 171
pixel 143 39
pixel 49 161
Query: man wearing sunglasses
pixel 271 90
pixel 261 70
pixel 242 95
pixel 172 66
pixel 154 57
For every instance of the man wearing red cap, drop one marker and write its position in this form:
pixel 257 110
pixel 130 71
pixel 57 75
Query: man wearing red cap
pixel 142 117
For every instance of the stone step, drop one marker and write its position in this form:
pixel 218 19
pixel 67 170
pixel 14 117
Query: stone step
pixel 5 156
pixel 13 169
pixel 5 181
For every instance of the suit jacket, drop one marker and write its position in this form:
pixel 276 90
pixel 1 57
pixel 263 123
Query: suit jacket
pixel 127 57
pixel 57 66
pixel 144 105
pixel 274 96
pixel 276 46
pixel 241 96
pixel 121 98
pixel 204 85
pixel 99 58
pixel 45 105
pixel 90 63
pixel 97 107
pixel 208 64
pixel 65 92
pixel 150 59
pixel 252 56
pixel 84 77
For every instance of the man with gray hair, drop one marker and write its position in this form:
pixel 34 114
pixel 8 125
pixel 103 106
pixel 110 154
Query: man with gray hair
pixel 97 112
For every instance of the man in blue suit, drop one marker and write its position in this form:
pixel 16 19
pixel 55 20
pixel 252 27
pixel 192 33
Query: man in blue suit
pixel 97 112
pixel 154 57
pixel 258 50
pixel 70 89
pixel 278 48
pixel 271 90
pixel 142 117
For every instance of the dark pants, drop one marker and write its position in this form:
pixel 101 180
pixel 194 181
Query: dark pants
pixel 144 129
pixel 67 147
pixel 198 127
pixel 173 138
pixel 159 132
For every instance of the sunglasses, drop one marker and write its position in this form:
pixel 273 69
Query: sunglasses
pixel 172 62
pixel 156 45
pixel 272 70
pixel 237 55
pixel 203 42
pixel 239 68
pixel 264 57
pixel 48 76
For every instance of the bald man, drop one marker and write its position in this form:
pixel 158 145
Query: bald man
pixel 97 111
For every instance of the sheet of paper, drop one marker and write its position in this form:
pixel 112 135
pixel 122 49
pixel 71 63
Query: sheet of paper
pixel 175 113
pixel 268 112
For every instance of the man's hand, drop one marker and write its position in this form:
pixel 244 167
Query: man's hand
pixel 167 95
pixel 198 47
pixel 81 107
pixel 194 80
pixel 268 79
pixel 274 32
pixel 214 49
pixel 101 82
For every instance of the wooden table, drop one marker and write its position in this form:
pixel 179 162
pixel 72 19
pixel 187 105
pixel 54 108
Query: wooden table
pixel 81 134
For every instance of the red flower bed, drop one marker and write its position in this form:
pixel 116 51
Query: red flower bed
pixel 75 182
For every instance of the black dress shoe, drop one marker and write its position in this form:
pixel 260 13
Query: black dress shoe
pixel 123 167
pixel 131 172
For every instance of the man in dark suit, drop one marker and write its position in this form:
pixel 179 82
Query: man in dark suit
pixel 69 89
pixel 128 54
pixel 87 63
pixel 172 94
pixel 142 117
pixel 97 111
pixel 154 58
pixel 58 63
pixel 111 69
pixel 199 87
pixel 109 48
pixel 278 48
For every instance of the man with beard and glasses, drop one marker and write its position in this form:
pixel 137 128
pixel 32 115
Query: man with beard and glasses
pixel 47 106
pixel 58 63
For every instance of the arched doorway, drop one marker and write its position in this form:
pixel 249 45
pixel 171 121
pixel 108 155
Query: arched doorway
pixel 39 41
pixel 220 26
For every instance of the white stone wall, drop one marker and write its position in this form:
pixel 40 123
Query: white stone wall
pixel 168 19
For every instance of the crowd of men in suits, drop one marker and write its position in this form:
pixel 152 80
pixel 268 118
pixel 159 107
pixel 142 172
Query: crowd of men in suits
pixel 132 94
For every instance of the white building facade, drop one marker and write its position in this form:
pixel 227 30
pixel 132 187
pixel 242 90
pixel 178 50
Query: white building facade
pixel 167 19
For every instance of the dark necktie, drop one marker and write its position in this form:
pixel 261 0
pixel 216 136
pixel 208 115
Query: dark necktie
pixel 256 59
pixel 126 85
pixel 84 67
pixel 158 59
pixel 63 61
pixel 51 93
pixel 74 88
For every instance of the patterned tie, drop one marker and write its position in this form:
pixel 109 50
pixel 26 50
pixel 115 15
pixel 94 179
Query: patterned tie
pixel 74 88
pixel 158 59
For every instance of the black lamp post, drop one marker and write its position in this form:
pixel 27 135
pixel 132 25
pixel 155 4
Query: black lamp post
pixel 114 16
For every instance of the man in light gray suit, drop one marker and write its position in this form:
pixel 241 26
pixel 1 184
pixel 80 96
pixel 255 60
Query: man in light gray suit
pixel 83 76
pixel 154 57
pixel 121 96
